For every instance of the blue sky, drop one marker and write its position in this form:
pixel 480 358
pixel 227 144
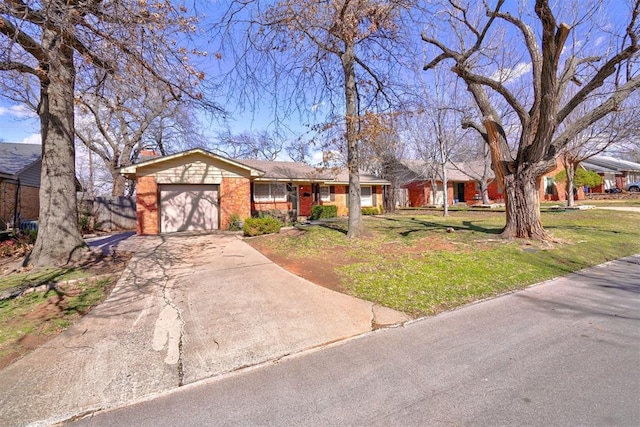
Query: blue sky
pixel 18 124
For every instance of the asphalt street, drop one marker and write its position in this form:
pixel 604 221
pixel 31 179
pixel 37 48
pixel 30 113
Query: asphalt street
pixel 566 352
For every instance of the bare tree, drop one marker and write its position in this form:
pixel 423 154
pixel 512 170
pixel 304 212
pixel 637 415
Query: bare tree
pixel 48 44
pixel 118 118
pixel 480 51
pixel 594 140
pixel 436 131
pixel 382 150
pixel 474 161
pixel 263 145
pixel 330 56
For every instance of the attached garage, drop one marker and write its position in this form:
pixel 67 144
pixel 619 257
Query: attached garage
pixel 191 191
pixel 189 207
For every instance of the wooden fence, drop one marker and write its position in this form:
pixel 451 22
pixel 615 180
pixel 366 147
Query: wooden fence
pixel 111 213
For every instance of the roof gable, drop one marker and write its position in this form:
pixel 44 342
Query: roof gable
pixel 186 156
pixel 473 170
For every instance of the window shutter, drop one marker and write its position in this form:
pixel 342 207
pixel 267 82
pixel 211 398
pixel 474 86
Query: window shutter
pixel 332 193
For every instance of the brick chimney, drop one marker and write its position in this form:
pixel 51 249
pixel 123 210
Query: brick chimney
pixel 148 154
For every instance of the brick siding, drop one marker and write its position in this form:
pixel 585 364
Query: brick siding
pixel 417 195
pixel 28 202
pixel 147 205
pixel 235 198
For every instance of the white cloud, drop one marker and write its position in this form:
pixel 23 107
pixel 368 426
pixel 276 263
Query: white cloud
pixel 510 74
pixel 18 111
pixel 34 138
pixel 317 158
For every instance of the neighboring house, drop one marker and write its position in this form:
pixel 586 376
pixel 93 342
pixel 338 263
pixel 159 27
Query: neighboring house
pixel 20 166
pixel 463 184
pixel 336 191
pixel 199 190
pixel 616 174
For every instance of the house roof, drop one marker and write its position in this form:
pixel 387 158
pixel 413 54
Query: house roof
pixel 298 171
pixel 267 170
pixel 286 171
pixel 14 158
pixel 131 170
pixel 342 177
pixel 610 164
pixel 456 171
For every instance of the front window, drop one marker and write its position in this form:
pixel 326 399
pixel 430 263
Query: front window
pixel 549 182
pixel 365 197
pixel 325 194
pixel 271 192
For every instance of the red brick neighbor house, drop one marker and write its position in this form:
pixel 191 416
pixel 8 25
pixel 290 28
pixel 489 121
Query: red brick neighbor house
pixel 20 166
pixel 463 184
pixel 199 190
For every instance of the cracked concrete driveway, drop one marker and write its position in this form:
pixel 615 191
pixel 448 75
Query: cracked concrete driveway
pixel 187 307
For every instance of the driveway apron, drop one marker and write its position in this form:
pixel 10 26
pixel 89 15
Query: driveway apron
pixel 187 307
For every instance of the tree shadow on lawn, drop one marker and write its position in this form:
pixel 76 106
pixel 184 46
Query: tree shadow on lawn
pixel 469 225
pixel 432 226
pixel 586 228
pixel 333 226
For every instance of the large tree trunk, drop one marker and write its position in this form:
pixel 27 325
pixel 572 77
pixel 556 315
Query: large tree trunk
pixel 356 227
pixel 521 183
pixel 59 240
pixel 522 202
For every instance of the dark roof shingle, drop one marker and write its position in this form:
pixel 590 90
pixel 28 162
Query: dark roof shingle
pixel 16 157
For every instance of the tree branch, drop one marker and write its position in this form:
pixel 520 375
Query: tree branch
pixel 605 71
pixel 25 41
pixel 22 68
pixel 610 105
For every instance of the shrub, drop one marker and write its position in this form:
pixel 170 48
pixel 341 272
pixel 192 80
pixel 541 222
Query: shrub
pixel 235 223
pixel 260 226
pixel 324 211
pixel 281 215
pixel 84 223
pixel 370 211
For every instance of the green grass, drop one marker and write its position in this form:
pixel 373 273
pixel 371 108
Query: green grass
pixel 47 312
pixel 411 263
pixel 39 277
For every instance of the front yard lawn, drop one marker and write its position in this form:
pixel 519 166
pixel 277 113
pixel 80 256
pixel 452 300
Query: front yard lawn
pixel 424 264
pixel 51 300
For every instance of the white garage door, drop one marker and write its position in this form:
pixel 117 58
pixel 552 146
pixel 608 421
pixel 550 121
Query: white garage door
pixel 188 207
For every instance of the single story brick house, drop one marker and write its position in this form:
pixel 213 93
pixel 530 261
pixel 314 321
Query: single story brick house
pixel 20 166
pixel 463 184
pixel 200 190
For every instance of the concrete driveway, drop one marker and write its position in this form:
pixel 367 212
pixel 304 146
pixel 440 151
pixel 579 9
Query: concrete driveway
pixel 187 307
pixel 562 353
